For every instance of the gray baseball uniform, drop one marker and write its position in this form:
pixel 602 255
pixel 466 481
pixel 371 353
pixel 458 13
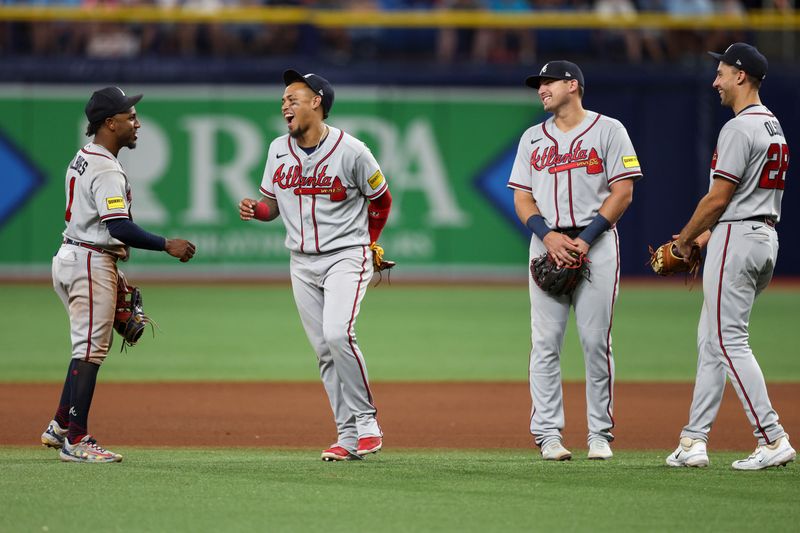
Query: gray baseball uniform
pixel 322 199
pixel 569 175
pixel 85 267
pixel 751 152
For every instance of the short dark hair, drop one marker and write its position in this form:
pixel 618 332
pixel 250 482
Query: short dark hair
pixel 93 127
pixel 755 82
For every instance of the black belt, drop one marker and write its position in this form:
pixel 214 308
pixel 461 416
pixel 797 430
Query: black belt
pixel 769 221
pixel 570 232
pixel 87 246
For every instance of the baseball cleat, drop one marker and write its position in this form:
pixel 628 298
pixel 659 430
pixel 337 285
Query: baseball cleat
pixel 555 451
pixel 690 452
pixel 368 445
pixel 779 453
pixel 87 451
pixel 54 435
pixel 600 449
pixel 337 453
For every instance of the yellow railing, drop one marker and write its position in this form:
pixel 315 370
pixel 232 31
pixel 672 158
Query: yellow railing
pixel 767 20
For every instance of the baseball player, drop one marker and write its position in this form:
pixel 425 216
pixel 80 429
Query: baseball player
pixel 334 202
pixel 99 231
pixel 573 179
pixel 736 222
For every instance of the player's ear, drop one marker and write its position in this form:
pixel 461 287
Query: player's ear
pixel 741 77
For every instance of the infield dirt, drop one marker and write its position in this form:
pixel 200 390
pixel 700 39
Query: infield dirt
pixel 412 415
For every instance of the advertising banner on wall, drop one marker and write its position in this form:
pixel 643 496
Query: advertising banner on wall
pixel 446 154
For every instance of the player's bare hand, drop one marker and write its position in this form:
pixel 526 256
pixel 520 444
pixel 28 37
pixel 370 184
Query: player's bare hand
pixel 562 249
pixel 247 209
pixel 583 246
pixel 180 248
pixel 686 249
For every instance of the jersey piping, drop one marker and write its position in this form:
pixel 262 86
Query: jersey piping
pixel 85 151
pixel 569 172
pixel 314 197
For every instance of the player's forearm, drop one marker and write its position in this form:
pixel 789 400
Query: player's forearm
pixel 131 234
pixel 706 215
pixel 617 202
pixel 267 210
pixel 525 205
pixel 378 214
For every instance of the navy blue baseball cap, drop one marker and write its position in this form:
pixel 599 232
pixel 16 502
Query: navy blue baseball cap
pixel 317 83
pixel 108 102
pixel 744 57
pixel 556 70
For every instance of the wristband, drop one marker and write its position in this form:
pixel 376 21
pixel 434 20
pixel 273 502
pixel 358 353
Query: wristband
pixel 597 226
pixel 537 225
pixel 261 211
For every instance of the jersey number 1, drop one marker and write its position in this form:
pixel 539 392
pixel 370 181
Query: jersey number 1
pixel 68 214
pixel 774 171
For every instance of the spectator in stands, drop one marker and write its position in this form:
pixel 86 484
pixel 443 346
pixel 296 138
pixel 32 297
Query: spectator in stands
pixel 506 45
pixel 341 44
pixel 454 43
pixel 635 40
pixel 687 45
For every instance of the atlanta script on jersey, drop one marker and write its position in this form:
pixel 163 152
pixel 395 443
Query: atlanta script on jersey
pixel 323 197
pixel 570 174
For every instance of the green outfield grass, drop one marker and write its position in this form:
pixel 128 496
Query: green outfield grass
pixel 235 332
pixel 269 490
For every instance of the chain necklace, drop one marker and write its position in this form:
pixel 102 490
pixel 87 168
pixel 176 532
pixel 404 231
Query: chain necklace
pixel 322 137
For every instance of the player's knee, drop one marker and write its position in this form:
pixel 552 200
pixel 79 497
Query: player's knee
pixel 336 337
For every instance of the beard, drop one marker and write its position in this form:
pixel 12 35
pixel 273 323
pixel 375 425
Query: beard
pixel 298 132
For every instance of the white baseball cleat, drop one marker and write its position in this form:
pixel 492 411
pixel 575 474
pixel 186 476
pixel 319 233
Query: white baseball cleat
pixel 779 453
pixel 600 449
pixel 555 451
pixel 54 435
pixel 691 452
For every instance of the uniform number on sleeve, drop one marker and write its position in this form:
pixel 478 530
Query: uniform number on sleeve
pixel 773 175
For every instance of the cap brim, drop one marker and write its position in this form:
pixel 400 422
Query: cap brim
pixel 533 81
pixel 130 101
pixel 290 76
pixel 716 56
pixel 133 100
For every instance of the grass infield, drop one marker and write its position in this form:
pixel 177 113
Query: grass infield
pixel 407 333
pixel 292 490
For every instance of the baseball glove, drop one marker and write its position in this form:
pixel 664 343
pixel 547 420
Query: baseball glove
pixel 559 280
pixel 665 260
pixel 129 317
pixel 378 262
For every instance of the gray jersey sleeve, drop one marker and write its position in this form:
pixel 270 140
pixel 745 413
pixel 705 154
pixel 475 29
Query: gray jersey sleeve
pixel 367 175
pixel 621 159
pixel 733 151
pixel 110 196
pixel 521 177
pixel 267 187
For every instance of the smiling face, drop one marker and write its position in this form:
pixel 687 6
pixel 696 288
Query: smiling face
pixel 728 82
pixel 301 108
pixel 555 93
pixel 124 126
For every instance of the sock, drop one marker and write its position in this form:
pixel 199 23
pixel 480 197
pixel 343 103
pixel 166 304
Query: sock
pixel 84 377
pixel 62 413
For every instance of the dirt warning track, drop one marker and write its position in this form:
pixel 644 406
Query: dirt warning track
pixel 412 415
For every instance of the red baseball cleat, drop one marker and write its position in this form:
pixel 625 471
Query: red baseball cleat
pixel 367 445
pixel 337 453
